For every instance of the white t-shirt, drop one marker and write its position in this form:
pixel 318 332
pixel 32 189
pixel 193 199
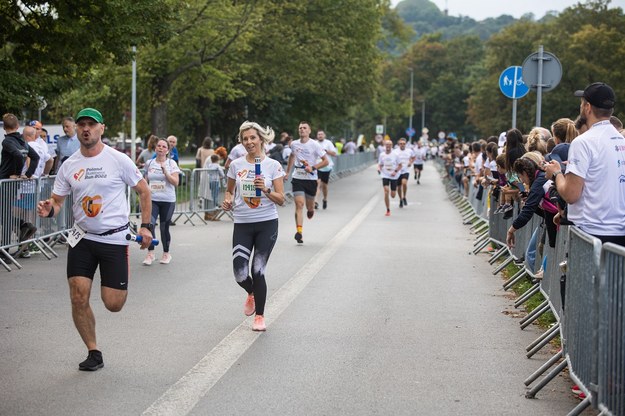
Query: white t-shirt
pixel 237 151
pixel 418 155
pixel 598 156
pixel 30 186
pixel 404 158
pixel 247 206
pixel 306 154
pixel 327 145
pixel 98 185
pixel 162 190
pixel 388 162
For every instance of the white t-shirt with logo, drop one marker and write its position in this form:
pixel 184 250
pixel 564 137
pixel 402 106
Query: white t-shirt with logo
pixel 388 162
pixel 404 158
pixel 418 155
pixel 237 152
pixel 98 185
pixel 598 157
pixel 247 206
pixel 306 154
pixel 162 190
pixel 327 145
pixel 30 186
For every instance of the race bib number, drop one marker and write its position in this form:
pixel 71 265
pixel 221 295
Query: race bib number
pixel 248 190
pixel 300 173
pixel 389 167
pixel 157 186
pixel 75 235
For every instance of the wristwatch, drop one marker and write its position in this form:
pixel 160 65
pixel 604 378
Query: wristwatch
pixel 147 225
pixel 556 173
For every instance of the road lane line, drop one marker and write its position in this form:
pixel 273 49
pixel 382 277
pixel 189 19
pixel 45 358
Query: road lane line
pixel 183 395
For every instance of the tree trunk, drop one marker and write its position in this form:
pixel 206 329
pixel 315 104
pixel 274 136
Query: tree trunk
pixel 159 106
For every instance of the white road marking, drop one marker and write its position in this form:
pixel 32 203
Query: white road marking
pixel 183 395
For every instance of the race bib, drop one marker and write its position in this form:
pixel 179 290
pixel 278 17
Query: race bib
pixel 157 186
pixel 389 167
pixel 75 235
pixel 300 173
pixel 248 190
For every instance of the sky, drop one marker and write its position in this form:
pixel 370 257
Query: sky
pixel 482 9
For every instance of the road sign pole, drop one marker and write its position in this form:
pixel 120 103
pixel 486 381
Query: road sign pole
pixel 514 114
pixel 539 86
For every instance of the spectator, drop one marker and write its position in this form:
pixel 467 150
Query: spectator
pixel 204 152
pixel 14 153
pixel 147 154
pixel 593 185
pixel 68 144
pixel 350 148
pixel 173 152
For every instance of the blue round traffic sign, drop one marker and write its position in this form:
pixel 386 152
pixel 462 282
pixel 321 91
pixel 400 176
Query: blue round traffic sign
pixel 410 132
pixel 511 83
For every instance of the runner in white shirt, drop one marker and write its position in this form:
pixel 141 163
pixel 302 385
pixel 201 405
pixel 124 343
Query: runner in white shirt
pixel 324 173
pixel 253 199
pixel 406 158
pixel 305 153
pixel 418 161
pixel 97 177
pixel 594 182
pixel 389 168
pixel 163 175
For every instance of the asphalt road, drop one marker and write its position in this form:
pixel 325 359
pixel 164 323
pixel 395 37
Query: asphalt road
pixel 372 315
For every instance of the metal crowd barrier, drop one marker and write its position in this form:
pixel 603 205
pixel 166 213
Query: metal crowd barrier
pixel 590 317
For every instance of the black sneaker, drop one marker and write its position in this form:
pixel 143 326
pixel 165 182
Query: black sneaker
pixel 401 203
pixel 405 202
pixel 298 237
pixel 310 214
pixel 508 214
pixel 325 204
pixel 316 205
pixel 27 230
pixel 93 362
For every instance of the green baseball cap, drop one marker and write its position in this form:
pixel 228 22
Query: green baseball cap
pixel 91 113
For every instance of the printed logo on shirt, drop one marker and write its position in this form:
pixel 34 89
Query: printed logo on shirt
pixel 620 163
pixel 621 179
pixel 95 173
pixel 79 175
pixel 92 205
pixel 619 148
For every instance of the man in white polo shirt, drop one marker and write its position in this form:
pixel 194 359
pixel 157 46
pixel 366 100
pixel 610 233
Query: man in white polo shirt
pixel 594 182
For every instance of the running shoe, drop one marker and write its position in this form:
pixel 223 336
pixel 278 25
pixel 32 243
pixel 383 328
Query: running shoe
pixel 259 323
pixel 25 254
pixel 316 205
pixel 388 213
pixel 298 237
pixel 93 362
pixel 249 307
pixel 166 258
pixel 576 390
pixel 401 203
pixel 310 214
pixel 325 204
pixel 405 202
pixel 418 182
pixel 148 259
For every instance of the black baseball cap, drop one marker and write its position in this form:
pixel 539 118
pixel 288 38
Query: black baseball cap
pixel 598 94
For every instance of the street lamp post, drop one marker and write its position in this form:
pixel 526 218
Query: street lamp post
pixel 422 115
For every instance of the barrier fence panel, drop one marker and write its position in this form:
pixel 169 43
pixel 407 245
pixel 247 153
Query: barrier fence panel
pixel 550 286
pixel 580 313
pixel 208 191
pixel 611 361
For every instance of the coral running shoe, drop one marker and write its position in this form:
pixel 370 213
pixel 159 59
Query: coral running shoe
pixel 249 307
pixel 259 323
pixel 388 213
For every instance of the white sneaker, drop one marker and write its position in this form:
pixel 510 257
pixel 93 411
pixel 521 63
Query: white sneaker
pixel 165 259
pixel 148 259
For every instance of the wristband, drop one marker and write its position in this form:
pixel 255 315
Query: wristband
pixel 267 191
pixel 147 225
pixel 51 213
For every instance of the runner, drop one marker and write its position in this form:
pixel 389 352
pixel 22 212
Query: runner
pixel 163 175
pixel 389 167
pixel 255 217
pixel 97 177
pixel 304 154
pixel 406 157
pixel 324 173
pixel 419 159
pixel 236 152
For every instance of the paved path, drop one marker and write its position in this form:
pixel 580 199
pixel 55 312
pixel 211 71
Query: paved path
pixel 373 315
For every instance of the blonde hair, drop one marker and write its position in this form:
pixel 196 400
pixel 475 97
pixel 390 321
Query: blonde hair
pixel 536 141
pixel 534 156
pixel 266 134
pixel 564 130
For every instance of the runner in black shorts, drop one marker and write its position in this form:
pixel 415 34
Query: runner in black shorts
pixel 97 176
pixel 324 173
pixel 389 167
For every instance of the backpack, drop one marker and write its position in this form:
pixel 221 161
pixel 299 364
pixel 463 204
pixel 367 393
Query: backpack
pixel 546 202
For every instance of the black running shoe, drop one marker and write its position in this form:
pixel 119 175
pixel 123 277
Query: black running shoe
pixel 405 202
pixel 316 205
pixel 298 237
pixel 93 362
pixel 310 214
pixel 325 204
pixel 401 203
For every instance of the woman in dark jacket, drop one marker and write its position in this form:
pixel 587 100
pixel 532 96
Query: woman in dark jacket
pixel 529 172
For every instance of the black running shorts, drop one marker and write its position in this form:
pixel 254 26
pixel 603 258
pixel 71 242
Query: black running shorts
pixel 391 182
pixel 418 166
pixel 403 176
pixel 83 259
pixel 324 176
pixel 304 186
